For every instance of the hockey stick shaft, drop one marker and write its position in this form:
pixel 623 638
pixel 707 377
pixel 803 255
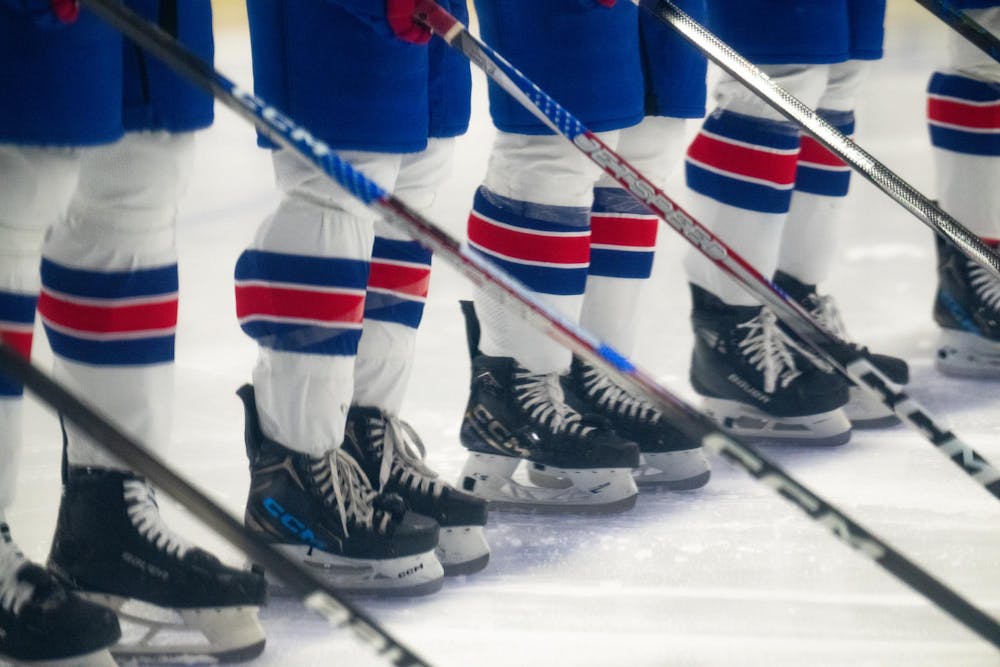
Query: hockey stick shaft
pixel 861 161
pixel 315 593
pixel 293 137
pixel 845 358
pixel 964 25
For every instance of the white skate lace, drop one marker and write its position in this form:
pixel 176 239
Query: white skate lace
pixel 403 450
pixel 987 287
pixel 767 348
pixel 142 510
pixel 14 593
pixel 607 394
pixel 541 396
pixel 344 482
pixel 827 314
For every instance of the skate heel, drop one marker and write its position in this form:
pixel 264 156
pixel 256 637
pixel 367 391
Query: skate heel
pixel 824 429
pixel 577 490
pixel 462 550
pixel 964 354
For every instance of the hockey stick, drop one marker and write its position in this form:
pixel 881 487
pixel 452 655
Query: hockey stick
pixel 286 133
pixel 881 176
pixel 964 25
pixel 850 361
pixel 315 593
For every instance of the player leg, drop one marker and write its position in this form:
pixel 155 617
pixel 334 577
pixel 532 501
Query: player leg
pixel 531 218
pixel 387 447
pixel 109 305
pixel 39 620
pixel 300 293
pixel 756 380
pixel 810 237
pixel 964 117
pixel 623 240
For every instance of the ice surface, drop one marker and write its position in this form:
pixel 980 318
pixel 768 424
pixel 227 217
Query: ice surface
pixel 727 575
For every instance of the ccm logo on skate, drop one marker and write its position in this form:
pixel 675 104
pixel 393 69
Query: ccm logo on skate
pixel 296 526
pixel 647 193
pixel 495 433
pixel 410 571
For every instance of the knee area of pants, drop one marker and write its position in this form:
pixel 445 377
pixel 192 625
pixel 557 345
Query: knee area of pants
pixel 543 169
pixel 298 179
pixel 36 184
pixel 142 176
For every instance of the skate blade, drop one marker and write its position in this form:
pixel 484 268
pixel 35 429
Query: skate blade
pixel 673 471
pixel 866 412
pixel 579 490
pixel 826 429
pixel 462 550
pixel 660 471
pixel 404 576
pixel 100 658
pixel 154 633
pixel 966 355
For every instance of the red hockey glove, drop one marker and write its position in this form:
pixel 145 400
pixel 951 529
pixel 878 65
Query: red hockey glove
pixel 47 13
pixel 607 3
pixel 400 16
pixel 67 11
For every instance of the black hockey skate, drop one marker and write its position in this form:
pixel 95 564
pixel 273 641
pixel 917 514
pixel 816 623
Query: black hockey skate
pixel 756 381
pixel 391 455
pixel 514 416
pixel 967 308
pixel 667 458
pixel 41 622
pixel 862 409
pixel 112 546
pixel 324 512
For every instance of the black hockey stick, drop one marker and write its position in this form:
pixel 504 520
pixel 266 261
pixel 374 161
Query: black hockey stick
pixel 881 176
pixel 964 25
pixel 849 360
pixel 315 593
pixel 286 133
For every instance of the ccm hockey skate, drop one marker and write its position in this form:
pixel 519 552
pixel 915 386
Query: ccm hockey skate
pixel 391 455
pixel 967 308
pixel 757 382
pixel 324 512
pixel 667 459
pixel 113 548
pixel 514 416
pixel 42 623
pixel 862 409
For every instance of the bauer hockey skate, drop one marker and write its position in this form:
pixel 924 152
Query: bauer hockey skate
pixel 42 623
pixel 391 455
pixel 967 308
pixel 112 546
pixel 757 382
pixel 862 409
pixel 324 512
pixel 514 416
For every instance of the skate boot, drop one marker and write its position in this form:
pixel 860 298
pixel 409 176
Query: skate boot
pixel 967 308
pixel 112 546
pixel 756 381
pixel 42 623
pixel 862 408
pixel 324 513
pixel 392 457
pixel 514 416
pixel 667 458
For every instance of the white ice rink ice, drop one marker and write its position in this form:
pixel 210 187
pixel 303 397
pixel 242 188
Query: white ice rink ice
pixel 730 574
